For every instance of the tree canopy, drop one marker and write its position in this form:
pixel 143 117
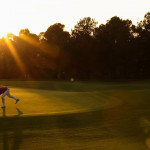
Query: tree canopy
pixel 117 50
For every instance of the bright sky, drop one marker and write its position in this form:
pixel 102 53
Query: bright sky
pixel 38 15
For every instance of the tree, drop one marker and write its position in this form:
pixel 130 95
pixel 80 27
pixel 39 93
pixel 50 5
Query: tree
pixel 56 35
pixel 81 48
pixel 142 46
pixel 112 44
pixel 84 27
pixel 145 24
pixel 24 32
pixel 116 31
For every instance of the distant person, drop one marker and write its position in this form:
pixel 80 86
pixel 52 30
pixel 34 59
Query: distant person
pixel 6 91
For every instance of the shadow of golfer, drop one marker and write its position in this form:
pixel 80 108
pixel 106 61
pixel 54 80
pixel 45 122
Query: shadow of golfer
pixel 19 112
pixel 17 134
pixel 4 133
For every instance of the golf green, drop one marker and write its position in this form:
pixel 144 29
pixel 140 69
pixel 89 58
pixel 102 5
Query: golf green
pixel 51 98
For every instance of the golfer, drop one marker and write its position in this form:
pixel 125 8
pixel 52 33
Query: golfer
pixel 6 91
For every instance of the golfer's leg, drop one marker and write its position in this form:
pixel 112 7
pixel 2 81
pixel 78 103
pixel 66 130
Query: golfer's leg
pixel 3 97
pixel 9 95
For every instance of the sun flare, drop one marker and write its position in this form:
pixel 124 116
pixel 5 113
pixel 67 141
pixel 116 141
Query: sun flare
pixel 16 56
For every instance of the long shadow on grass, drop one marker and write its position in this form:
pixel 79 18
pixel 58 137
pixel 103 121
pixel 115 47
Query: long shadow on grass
pixel 121 121
pixel 17 132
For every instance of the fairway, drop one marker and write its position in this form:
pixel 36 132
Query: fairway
pixel 63 115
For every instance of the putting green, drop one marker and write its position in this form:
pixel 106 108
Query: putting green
pixel 41 102
pixel 51 97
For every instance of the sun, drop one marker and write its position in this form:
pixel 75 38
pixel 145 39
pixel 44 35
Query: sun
pixel 7 27
pixel 3 32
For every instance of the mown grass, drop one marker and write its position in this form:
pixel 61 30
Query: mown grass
pixel 79 115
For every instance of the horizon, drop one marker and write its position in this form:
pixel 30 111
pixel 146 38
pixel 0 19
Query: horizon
pixel 38 15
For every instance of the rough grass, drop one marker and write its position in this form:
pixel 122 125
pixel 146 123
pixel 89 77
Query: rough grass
pixel 76 116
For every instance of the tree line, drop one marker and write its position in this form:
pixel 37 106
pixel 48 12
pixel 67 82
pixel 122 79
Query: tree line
pixel 112 51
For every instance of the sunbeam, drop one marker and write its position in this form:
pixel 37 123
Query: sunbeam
pixel 16 56
pixel 52 51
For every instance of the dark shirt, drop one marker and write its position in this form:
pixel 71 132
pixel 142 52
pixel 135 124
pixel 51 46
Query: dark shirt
pixel 3 89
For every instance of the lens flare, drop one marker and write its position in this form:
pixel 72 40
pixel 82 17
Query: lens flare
pixel 71 79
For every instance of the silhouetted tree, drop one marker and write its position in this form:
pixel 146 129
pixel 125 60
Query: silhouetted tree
pixel 112 42
pixel 112 51
pixel 56 35
pixel 81 48
pixel 142 46
pixel 85 27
